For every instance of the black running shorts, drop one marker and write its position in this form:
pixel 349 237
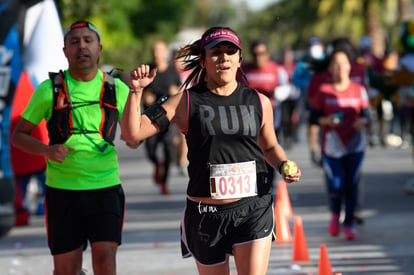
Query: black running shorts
pixel 209 232
pixel 74 217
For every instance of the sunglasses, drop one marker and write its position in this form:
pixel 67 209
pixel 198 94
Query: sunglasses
pixel 260 53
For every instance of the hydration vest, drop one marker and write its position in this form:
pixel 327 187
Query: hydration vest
pixel 60 126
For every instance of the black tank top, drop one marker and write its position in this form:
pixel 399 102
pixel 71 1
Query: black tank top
pixel 223 129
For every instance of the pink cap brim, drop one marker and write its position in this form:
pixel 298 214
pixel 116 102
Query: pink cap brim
pixel 222 35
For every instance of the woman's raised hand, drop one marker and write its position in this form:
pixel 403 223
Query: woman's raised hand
pixel 141 77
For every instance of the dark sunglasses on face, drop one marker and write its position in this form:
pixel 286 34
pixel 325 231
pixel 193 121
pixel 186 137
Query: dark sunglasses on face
pixel 259 53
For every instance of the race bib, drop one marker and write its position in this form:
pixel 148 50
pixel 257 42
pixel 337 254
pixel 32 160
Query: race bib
pixel 233 180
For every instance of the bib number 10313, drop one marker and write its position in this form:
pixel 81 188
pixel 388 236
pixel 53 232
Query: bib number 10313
pixel 233 180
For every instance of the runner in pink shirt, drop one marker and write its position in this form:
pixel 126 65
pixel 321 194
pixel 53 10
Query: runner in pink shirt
pixel 340 107
pixel 357 74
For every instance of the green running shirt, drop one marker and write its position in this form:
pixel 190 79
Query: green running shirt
pixel 85 168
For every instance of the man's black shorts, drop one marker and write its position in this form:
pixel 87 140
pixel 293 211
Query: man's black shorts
pixel 209 232
pixel 74 217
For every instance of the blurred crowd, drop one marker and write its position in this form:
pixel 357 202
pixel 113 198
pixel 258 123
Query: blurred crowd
pixel 297 75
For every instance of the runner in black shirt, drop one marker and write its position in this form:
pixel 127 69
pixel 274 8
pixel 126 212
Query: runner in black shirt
pixel 166 83
pixel 230 136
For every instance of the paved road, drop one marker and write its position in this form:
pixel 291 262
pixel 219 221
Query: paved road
pixel 385 244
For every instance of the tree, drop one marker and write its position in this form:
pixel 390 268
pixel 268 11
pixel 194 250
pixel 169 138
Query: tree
pixel 291 23
pixel 128 28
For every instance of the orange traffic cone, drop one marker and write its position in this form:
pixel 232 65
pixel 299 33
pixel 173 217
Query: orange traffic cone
pixel 282 226
pixel 324 263
pixel 300 248
pixel 282 197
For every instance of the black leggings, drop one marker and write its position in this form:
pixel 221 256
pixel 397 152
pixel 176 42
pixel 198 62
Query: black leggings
pixel 166 140
pixel 342 177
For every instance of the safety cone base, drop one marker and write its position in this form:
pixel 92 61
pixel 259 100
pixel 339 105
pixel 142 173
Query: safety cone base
pixel 300 248
pixel 283 234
